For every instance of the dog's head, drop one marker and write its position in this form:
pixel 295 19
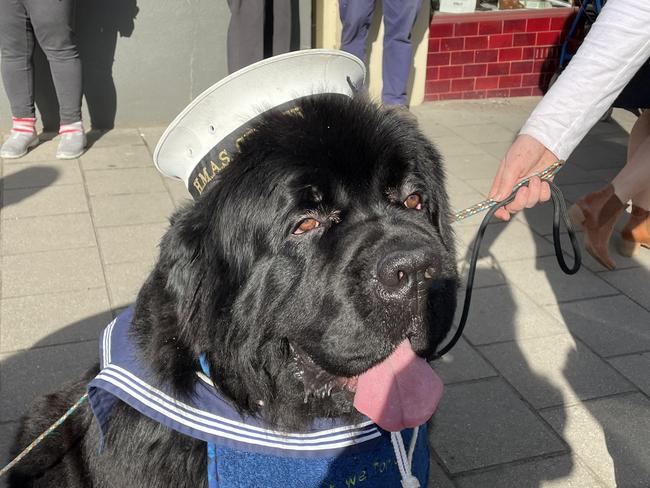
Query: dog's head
pixel 321 248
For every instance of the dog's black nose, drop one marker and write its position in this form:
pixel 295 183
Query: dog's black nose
pixel 401 270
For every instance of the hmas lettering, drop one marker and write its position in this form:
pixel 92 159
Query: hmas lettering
pixel 209 171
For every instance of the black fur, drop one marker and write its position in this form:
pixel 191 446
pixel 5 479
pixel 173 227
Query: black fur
pixel 233 282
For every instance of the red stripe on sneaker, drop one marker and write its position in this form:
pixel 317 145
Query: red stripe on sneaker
pixel 23 130
pixel 68 131
pixel 18 119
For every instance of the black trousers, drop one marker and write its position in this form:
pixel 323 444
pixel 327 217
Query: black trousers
pixel 246 31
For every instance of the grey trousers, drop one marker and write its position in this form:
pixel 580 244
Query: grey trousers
pixel 50 22
pixel 246 31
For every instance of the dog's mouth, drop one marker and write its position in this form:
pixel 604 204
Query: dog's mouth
pixel 400 392
pixel 317 382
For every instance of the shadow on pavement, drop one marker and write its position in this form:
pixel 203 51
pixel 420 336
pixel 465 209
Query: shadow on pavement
pixel 26 182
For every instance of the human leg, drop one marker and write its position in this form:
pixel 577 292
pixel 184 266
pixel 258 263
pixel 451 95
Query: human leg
pixel 633 182
pixel 53 22
pixel 399 17
pixel 245 42
pixel 282 17
pixel 356 17
pixel 16 47
pixel 598 212
pixel 54 30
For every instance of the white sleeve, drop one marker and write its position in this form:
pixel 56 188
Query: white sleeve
pixel 616 47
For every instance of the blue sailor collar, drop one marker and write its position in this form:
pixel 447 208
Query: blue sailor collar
pixel 362 451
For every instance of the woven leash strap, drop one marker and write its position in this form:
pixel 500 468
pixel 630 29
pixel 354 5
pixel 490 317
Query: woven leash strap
pixel 559 214
pixel 38 440
pixel 545 175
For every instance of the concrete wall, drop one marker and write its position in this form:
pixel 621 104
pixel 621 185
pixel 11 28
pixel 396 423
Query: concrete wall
pixel 144 60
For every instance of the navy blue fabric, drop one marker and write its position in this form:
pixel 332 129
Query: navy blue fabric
pixel 329 454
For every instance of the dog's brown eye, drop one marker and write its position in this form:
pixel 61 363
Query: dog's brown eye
pixel 413 201
pixel 305 226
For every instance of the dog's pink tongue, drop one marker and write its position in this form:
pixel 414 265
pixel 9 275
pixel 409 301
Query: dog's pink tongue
pixel 400 392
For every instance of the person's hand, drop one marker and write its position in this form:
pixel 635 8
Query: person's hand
pixel 525 157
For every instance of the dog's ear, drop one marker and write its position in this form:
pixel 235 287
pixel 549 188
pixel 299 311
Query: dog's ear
pixel 190 266
pixel 438 204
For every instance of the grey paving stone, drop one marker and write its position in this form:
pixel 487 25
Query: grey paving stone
pixel 546 283
pixel 496 149
pixel 509 241
pixel 448 116
pixel 130 242
pixel 432 129
pixel 635 368
pixel 114 210
pixel 622 119
pixel 457 186
pixel 610 326
pixel 605 175
pixel 632 282
pixel 610 436
pixel 34 175
pixel 27 374
pixel 51 271
pixel 115 137
pixel 36 202
pixel 462 363
pixel 572 174
pixel 33 234
pixel 471 165
pixel 178 192
pixel 551 371
pixel 596 153
pixel 116 157
pixel 53 318
pixel 124 181
pixel 488 273
pixel 590 263
pixel 484 423
pixel 554 472
pixel 484 133
pixel 451 146
pixel 125 280
pixel 481 185
pixel 437 476
pixel 502 313
pixel 151 135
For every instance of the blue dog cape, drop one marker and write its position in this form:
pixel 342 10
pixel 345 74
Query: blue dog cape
pixel 243 452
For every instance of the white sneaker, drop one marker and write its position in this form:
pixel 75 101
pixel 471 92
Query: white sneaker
pixel 18 144
pixel 71 145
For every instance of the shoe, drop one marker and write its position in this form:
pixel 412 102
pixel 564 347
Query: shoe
pixel 636 232
pixel 71 145
pixel 18 144
pixel 597 214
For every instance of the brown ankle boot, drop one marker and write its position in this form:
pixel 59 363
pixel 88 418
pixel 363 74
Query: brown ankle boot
pixel 597 214
pixel 636 232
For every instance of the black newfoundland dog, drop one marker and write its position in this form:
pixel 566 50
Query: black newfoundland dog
pixel 324 247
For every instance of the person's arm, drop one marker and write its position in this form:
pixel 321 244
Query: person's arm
pixel 616 47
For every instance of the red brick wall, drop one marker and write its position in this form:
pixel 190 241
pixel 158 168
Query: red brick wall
pixel 495 54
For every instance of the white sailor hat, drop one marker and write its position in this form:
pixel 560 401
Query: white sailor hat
pixel 202 139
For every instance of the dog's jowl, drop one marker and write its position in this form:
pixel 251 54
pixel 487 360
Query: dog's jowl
pixel 287 322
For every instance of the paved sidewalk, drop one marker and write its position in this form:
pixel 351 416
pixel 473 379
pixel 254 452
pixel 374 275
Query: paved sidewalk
pixel 549 388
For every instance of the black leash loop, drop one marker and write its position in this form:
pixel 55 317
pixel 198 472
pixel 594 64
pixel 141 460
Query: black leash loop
pixel 559 211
